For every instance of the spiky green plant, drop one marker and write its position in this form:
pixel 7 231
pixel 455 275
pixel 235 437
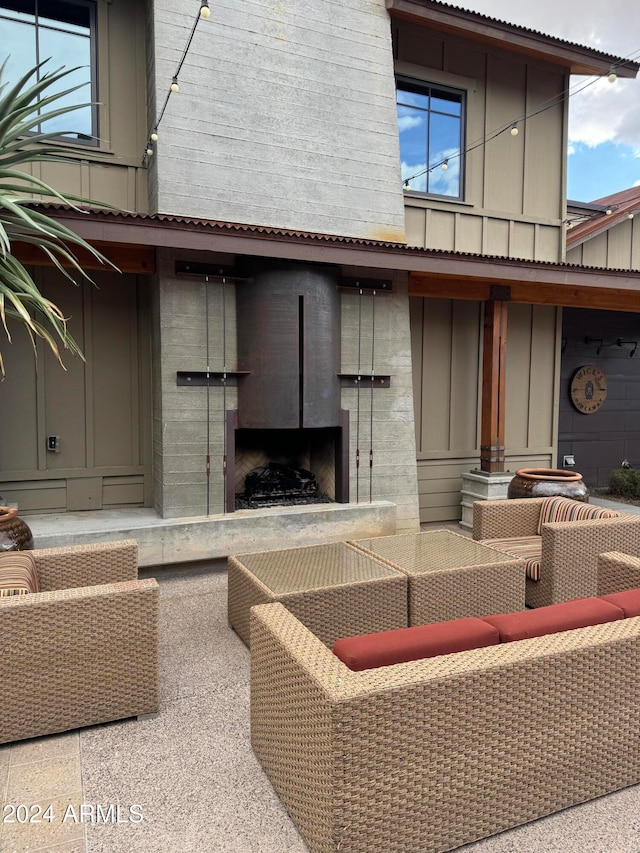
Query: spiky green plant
pixel 24 107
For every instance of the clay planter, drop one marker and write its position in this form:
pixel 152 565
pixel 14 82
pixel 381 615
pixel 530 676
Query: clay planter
pixel 15 534
pixel 543 482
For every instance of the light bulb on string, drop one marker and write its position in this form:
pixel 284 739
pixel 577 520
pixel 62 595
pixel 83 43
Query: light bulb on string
pixel 445 165
pixel 149 150
pixel 612 76
pixel 205 11
pixel 630 215
pixel 174 85
pixel 514 129
pixel 154 136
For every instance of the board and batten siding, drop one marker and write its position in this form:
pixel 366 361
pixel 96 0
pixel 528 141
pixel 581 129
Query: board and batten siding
pixel 99 409
pixel 618 248
pixel 111 172
pixel 513 198
pixel 285 117
pixel 446 338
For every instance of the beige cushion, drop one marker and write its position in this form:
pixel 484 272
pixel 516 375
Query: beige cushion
pixel 17 573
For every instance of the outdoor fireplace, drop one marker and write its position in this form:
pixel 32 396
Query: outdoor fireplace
pixel 320 452
pixel 288 417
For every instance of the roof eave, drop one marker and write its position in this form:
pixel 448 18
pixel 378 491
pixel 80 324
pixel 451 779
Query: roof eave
pixel 471 25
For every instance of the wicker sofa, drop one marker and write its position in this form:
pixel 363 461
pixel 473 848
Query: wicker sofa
pixel 82 650
pixel 433 754
pixel 567 550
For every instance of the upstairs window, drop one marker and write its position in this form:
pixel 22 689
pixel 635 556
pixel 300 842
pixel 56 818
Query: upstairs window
pixel 431 128
pixel 63 32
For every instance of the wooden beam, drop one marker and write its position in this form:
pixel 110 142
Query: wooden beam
pixel 127 258
pixel 530 293
pixel 494 352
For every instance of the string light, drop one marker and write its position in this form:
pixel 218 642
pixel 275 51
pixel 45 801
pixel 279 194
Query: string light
pixel 514 129
pixel 445 164
pixel 612 76
pixel 630 215
pixel 203 12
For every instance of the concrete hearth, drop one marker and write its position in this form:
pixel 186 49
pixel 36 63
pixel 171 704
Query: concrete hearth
pixel 168 541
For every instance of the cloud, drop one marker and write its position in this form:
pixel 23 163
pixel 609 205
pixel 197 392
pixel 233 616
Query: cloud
pixel 407 122
pixel 419 184
pixel 606 113
pixel 603 112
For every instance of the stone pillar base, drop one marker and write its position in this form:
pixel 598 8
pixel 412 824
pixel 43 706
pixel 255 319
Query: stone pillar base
pixel 481 486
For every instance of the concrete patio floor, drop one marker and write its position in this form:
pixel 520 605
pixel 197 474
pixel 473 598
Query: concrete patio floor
pixel 187 779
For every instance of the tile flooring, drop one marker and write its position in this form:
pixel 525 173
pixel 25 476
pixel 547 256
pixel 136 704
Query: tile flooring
pixel 44 776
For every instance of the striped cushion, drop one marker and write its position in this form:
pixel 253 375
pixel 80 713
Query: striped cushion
pixel 17 574
pixel 527 548
pixel 564 509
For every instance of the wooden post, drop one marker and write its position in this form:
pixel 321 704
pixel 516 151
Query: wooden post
pixel 494 351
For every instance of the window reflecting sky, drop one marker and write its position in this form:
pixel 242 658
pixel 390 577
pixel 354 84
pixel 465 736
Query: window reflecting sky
pixel 430 125
pixel 64 40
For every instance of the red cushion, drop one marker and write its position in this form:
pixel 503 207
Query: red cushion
pixel 368 651
pixel 577 613
pixel 628 601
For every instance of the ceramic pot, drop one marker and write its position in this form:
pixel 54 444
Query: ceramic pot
pixel 543 482
pixel 15 534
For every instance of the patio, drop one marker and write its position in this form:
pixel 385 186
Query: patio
pixel 190 770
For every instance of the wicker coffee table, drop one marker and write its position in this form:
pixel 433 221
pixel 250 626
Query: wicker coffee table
pixel 336 590
pixel 451 575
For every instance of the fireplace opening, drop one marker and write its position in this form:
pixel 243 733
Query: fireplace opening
pixel 280 484
pixel 285 467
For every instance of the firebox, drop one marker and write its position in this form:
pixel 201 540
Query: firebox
pixel 321 452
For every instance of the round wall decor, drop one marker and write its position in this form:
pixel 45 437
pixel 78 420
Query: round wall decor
pixel 588 389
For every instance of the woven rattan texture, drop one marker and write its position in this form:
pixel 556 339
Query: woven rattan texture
pixel 375 602
pixel 312 567
pixel 570 549
pixel 86 565
pixel 500 519
pixel 434 754
pixel 451 576
pixel 430 551
pixel 78 656
pixel 617 572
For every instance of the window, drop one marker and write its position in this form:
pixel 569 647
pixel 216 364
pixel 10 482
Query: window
pixel 61 31
pixel 431 127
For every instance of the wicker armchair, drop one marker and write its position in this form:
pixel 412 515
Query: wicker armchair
pixel 569 549
pixel 83 650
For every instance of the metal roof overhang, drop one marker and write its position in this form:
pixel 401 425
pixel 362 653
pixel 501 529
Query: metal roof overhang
pixel 499 34
pixel 431 273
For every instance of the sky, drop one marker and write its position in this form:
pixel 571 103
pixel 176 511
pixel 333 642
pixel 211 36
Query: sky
pixel 604 118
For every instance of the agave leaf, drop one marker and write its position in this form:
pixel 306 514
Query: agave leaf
pixel 24 106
